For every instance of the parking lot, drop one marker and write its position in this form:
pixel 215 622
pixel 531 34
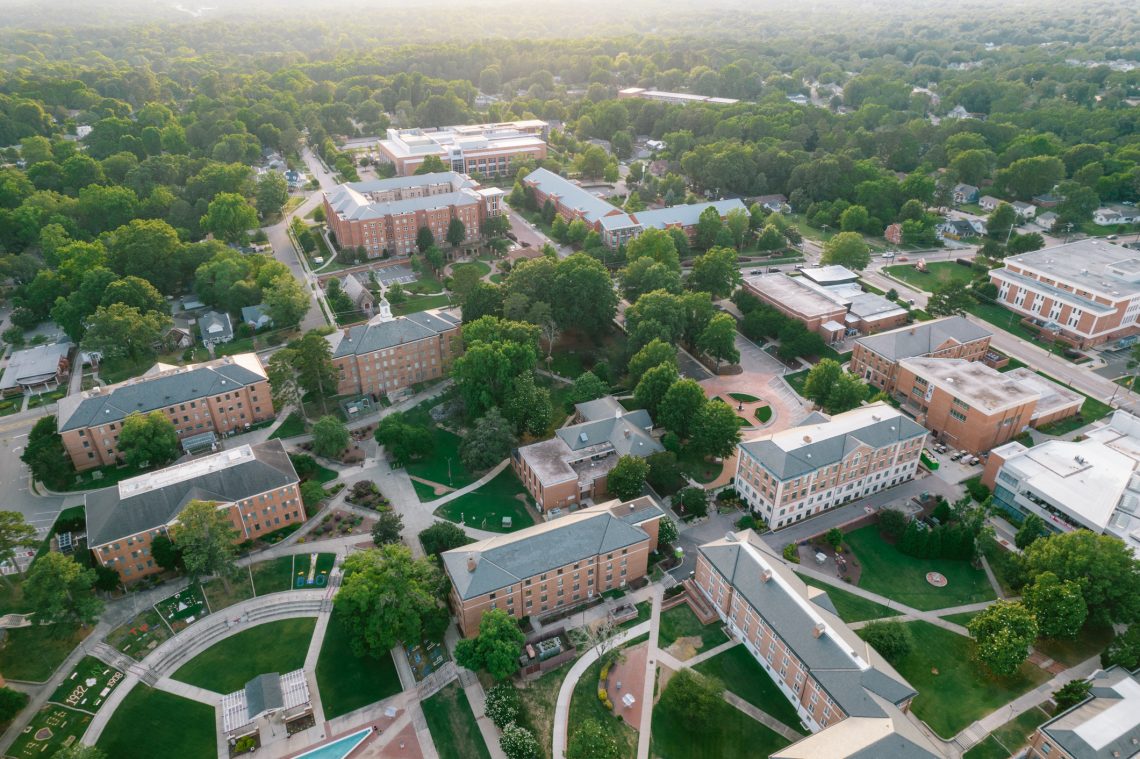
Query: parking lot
pixel 390 275
pixel 954 471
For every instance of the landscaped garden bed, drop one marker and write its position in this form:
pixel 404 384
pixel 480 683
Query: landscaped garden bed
pixel 340 523
pixel 366 494
pixel 88 685
pixel 52 728
pixel 140 636
pixel 184 608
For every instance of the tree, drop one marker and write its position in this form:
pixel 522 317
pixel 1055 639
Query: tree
pixel 654 353
pixel 58 590
pixel 1003 633
pixel 45 455
pixel 489 442
pixel 834 538
pixel 627 479
pixel 432 164
pixel 654 383
pixel 167 554
pixel 1031 176
pixel 272 192
pixel 120 331
pixel 528 407
pixel 1025 243
pixel 587 387
pixel 891 639
pixel 645 275
pixel 403 442
pixel 847 393
pixel 387 597
pixel 1101 565
pixel 387 528
pixel 666 531
pixel 311 357
pixel 12 702
pixel 770 238
pixel 1071 693
pixel 854 219
pixel 583 296
pixel 590 740
pixel 135 292
pixel 821 380
pixel 15 532
pixel 286 302
pixel 718 339
pixel 1124 649
pixel 424 239
pixel 715 272
pixel 495 649
pixel 229 217
pixel 696 696
pixel 1031 529
pixel 79 751
pixel 443 536
pixel 519 743
pixel 948 299
pixel 148 439
pixel 330 437
pixel 846 249
pixel 483 299
pixel 657 245
pixel 715 431
pixel 678 409
pixel 206 538
pixel 1059 607
pixel 708 225
pixel 1001 221
pixel 456 232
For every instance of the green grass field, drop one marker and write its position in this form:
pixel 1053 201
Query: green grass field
pixel 1007 739
pixel 851 608
pixel 348 682
pixel 302 562
pixel 485 507
pixel 743 397
pixel 937 273
pixel 1090 641
pixel 292 426
pixel 681 622
pixel 34 653
pixel 764 414
pixel 962 691
pixel 584 705
pixel 219 597
pixel 142 728
pixel 452 724
pixel 272 576
pixel 421 303
pixel 743 675
pixel 442 465
pixel 890 573
pixel 229 664
pixel 728 733
pixel 961 619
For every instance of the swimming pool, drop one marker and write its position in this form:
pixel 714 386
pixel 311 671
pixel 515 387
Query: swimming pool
pixel 338 749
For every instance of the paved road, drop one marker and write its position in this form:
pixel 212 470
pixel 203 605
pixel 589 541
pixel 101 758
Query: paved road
pixel 526 232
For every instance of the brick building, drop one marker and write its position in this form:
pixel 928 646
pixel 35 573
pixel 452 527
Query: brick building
pixel 969 406
pixel 825 462
pixel 388 353
pixel 616 227
pixel 1085 292
pixel 875 358
pixel 852 700
pixel 255 485
pixel 487 149
pixel 571 468
pixel 832 310
pixel 223 396
pixel 554 565
pixel 1105 725
pixel 384 215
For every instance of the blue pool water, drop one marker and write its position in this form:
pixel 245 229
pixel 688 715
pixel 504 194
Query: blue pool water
pixel 338 749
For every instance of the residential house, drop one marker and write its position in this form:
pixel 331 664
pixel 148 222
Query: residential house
pixel 256 317
pixel 989 202
pixel 955 229
pixel 1024 210
pixel 875 358
pixel 216 328
pixel 178 337
pixel 965 193
pixel 773 203
pixel 1107 216
pixel 1047 200
pixel 959 112
pixel 1046 221
pixel 553 566
pixel 362 297
pixel 39 368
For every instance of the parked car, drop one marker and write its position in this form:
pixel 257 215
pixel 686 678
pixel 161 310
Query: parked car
pixel 974 461
pixel 756 271
pixel 888 255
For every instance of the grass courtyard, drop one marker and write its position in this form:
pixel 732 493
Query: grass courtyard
pixel 347 682
pixel 142 728
pixel 1007 739
pixel 851 608
pixel 937 273
pixel 229 664
pixel 273 576
pixel 743 675
pixel 34 653
pixel 891 573
pixel 452 725
pixel 539 698
pixel 485 508
pixel 219 597
pixel 953 688
pixel 293 425
pixel 680 622
pixel 584 705
pixel 442 465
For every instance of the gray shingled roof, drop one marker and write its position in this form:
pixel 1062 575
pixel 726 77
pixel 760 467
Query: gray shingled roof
pixel 378 335
pixel 924 338
pixel 1112 689
pixel 113 404
pixel 571 195
pixel 686 215
pixel 110 517
pixel 507 560
pixel 263 693
pixel 627 434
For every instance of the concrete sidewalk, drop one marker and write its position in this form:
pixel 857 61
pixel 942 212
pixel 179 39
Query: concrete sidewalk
pixel 761 716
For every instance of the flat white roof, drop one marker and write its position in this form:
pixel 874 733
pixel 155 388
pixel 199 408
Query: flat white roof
pixel 185 471
pixel 972 382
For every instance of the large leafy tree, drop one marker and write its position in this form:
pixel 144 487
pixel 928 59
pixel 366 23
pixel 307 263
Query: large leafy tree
pixel 229 217
pixel 58 590
pixel 1003 633
pixel 443 536
pixel 330 437
pixel 528 406
pixel 821 381
pixel 285 301
pixel 653 386
pixel 489 441
pixel 709 225
pixel 948 299
pixel 120 331
pixel 715 272
pixel 272 192
pixel 718 339
pixel 715 431
pixel 45 455
pixel 387 597
pixel 627 478
pixel 15 533
pixel 591 740
pixel 652 354
pixel 583 297
pixel 456 232
pixel 496 648
pixel 678 409
pixel 587 387
pixel 148 249
pixel 1124 649
pixel 657 245
pixel 645 275
pixel 846 249
pixel 1104 568
pixel 206 538
pixel 148 439
pixel 1059 607
pixel 404 442
pixel 135 292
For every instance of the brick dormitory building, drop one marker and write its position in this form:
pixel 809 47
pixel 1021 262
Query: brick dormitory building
pixel 555 565
pixel 383 216
pixel 875 358
pixel 255 485
pixel 220 397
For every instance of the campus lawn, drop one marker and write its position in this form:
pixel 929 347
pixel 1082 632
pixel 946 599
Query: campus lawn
pixel 219 598
pixel 743 397
pixel 1007 739
pixel 480 267
pixel 1090 641
pixel 425 492
pixel 293 425
pixel 743 675
pixel 272 576
pixel 891 573
pixel 435 466
pixel 962 618
pixel 538 699
pixel 963 690
pixel 681 622
pixel 301 565
pixel 418 303
pixel 229 664
pixel 728 734
pixel 452 725
pixel 584 705
pixel 135 638
pixel 763 414
pixel 74 691
pixel 566 363
pixel 63 725
pixel 142 727
pixel 485 507
pixel 696 466
pixel 851 608
pixel 347 682
pixel 33 653
pixel 937 273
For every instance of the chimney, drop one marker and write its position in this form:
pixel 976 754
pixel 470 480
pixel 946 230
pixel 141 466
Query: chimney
pixel 471 562
pixel 817 631
pixel 807 438
pixel 766 575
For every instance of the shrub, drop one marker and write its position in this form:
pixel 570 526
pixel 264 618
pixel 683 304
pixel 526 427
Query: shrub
pixel 892 522
pixel 518 743
pixel 791 553
pixel 503 705
pixel 246 744
pixel 891 639
pixel 11 703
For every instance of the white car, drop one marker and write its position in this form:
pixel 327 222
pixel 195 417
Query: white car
pixel 888 255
